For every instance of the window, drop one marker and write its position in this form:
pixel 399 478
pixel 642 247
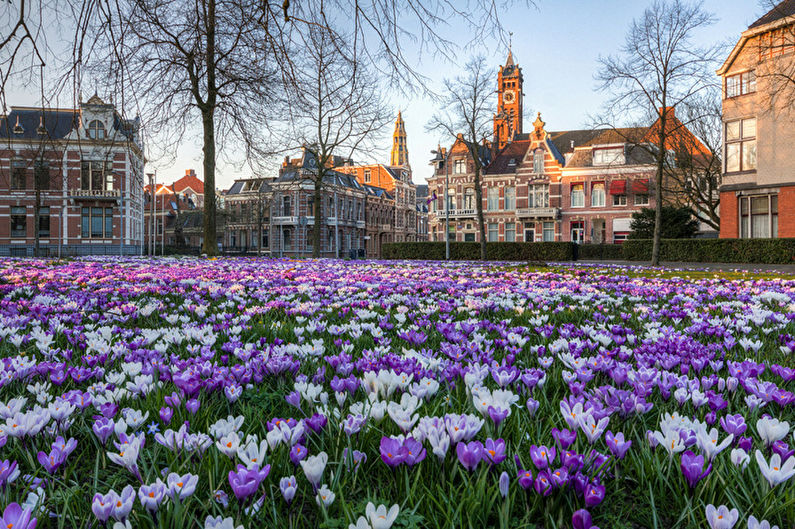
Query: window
pixel 510 232
pixel 613 155
pixel 740 145
pixel 469 237
pixel 310 206
pixel 493 231
pixel 367 176
pixel 451 199
pixel 510 198
pixel 577 196
pixel 538 196
pixel 598 195
pixel 620 237
pixel 529 232
pixel 538 161
pixel 287 235
pixel 44 222
pixel 18 221
pixel 18 174
pixel 619 200
pixel 469 199
pixel 265 238
pixel 740 84
pixel 96 176
pixel 97 223
pixel 641 200
pixel 460 166
pixel 41 173
pixel 577 231
pixel 286 210
pixel 776 42
pixel 451 231
pixel 759 216
pixel 549 231
pixel 96 130
pixel 493 199
pixel 330 240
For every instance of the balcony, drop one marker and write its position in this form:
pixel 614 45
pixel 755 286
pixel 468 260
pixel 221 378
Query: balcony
pixel 285 220
pixel 95 194
pixel 549 213
pixel 385 227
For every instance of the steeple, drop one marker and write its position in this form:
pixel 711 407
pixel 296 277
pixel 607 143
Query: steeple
pixel 400 150
pixel 508 119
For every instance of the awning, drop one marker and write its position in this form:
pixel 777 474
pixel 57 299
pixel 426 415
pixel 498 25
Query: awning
pixel 641 187
pixel 618 187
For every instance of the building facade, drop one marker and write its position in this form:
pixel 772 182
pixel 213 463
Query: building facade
pixel 74 177
pixel 757 194
pixel 577 185
pixel 173 215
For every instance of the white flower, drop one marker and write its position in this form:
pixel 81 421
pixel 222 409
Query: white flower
pixel 324 496
pixel 740 457
pixel 253 453
pixel 220 523
pixel 722 517
pixel 771 430
pixel 775 472
pixel 228 444
pixel 670 441
pixel 314 466
pixel 379 517
pixel 753 523
pixel 708 442
pixel 361 523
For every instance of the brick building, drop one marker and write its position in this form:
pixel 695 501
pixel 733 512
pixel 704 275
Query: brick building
pixel 177 214
pixel 757 194
pixel 575 185
pixel 85 165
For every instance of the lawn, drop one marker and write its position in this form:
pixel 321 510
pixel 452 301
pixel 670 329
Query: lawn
pixel 256 393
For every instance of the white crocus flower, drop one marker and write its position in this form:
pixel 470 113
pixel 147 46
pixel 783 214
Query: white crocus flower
pixel 324 496
pixel 771 430
pixel 379 517
pixel 229 444
pixel 314 466
pixel 708 442
pixel 740 457
pixel 253 453
pixel 775 472
pixel 670 441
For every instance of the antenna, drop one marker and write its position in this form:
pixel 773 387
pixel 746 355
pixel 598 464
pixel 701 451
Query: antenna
pixel 510 40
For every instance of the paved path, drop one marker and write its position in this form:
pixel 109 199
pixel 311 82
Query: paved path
pixel 718 267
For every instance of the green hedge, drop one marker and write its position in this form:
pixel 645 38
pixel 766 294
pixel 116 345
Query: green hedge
pixel 761 251
pixel 600 251
pixel 497 251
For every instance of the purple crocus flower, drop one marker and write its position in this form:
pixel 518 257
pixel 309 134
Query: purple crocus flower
pixel 415 452
pixel 316 422
pixel 594 494
pixel 564 438
pixel 392 451
pixel 355 460
pixel 469 454
pixel 103 428
pixel 298 453
pixel 542 456
pixel 781 448
pixel 616 444
pixel 16 517
pixel 288 486
pixel 497 415
pixel 151 496
pixel 532 406
pixel 504 483
pixel 108 410
pixel 542 484
pixel 559 477
pixel 524 478
pixel 744 443
pixel 51 461
pixel 165 414
pixel 572 460
pixel 102 506
pixel 582 520
pixel 693 468
pixel 192 405
pixel 8 473
pixel 494 451
pixel 293 399
pixel 244 482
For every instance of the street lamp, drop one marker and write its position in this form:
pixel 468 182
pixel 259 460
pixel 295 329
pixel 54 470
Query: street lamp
pixel 439 156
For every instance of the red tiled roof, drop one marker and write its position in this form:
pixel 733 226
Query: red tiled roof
pixel 189 181
pixel 515 151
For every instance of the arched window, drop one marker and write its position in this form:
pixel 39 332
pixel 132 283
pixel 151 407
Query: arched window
pixel 538 161
pixel 96 130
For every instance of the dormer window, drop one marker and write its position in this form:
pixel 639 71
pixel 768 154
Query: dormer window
pixel 608 156
pixel 459 166
pixel 96 130
pixel 538 161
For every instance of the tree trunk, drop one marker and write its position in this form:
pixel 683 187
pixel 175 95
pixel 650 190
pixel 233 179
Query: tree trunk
pixel 208 124
pixel 479 204
pixel 318 210
pixel 655 249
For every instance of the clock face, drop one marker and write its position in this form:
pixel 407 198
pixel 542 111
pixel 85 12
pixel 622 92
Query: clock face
pixel 509 96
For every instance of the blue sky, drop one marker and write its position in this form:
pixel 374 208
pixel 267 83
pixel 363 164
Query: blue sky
pixel 557 45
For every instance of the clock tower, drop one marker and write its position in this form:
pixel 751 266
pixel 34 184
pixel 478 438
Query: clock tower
pixel 508 119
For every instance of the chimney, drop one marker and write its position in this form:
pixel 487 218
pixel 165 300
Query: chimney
pixel 190 172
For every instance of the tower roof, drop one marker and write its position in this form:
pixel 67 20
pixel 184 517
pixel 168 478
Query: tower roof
pixel 509 61
pixel 400 152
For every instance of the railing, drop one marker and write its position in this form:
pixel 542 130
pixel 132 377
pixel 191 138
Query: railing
pixel 94 193
pixel 537 212
pixel 285 220
pixel 385 227
pixel 457 213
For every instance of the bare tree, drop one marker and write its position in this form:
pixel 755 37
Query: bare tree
pixel 693 181
pixel 775 78
pixel 338 110
pixel 659 69
pixel 465 116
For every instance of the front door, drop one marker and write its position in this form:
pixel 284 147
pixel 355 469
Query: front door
pixel 577 231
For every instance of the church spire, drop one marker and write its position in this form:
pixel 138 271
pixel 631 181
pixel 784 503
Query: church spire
pixel 400 150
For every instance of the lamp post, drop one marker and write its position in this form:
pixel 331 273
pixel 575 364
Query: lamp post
pixel 439 157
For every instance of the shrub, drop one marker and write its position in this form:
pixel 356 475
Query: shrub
pixel 470 251
pixel 762 251
pixel 677 223
pixel 599 251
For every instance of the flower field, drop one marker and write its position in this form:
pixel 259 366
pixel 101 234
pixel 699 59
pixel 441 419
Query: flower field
pixel 187 393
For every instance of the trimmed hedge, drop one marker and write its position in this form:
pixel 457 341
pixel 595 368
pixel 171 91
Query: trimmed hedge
pixel 600 251
pixel 761 251
pixel 470 251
